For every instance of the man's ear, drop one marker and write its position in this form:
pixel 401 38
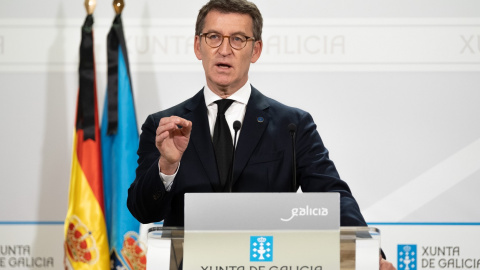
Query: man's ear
pixel 257 51
pixel 196 47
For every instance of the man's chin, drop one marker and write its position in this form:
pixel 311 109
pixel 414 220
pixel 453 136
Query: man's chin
pixel 224 88
pixel 222 82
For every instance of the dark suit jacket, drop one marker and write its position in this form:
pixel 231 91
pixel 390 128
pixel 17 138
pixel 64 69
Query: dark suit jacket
pixel 263 161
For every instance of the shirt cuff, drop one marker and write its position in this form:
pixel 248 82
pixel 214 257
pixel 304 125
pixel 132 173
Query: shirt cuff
pixel 167 179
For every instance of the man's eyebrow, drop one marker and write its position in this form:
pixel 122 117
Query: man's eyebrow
pixel 211 31
pixel 241 33
pixel 234 33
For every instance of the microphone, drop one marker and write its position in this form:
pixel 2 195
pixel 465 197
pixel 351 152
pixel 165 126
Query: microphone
pixel 292 129
pixel 236 127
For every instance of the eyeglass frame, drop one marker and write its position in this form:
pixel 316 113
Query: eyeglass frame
pixel 223 37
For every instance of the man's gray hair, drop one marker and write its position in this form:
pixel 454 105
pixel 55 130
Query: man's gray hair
pixel 231 6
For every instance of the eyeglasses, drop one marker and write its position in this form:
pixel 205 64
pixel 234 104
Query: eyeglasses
pixel 236 41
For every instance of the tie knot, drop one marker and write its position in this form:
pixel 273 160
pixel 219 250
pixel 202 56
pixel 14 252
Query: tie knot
pixel 223 105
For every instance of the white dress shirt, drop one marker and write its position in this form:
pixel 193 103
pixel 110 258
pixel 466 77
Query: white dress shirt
pixel 236 111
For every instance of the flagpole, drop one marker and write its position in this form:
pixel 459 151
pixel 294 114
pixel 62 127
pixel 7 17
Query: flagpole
pixel 90 6
pixel 118 5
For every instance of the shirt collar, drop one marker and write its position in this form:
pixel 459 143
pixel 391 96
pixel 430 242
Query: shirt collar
pixel 241 96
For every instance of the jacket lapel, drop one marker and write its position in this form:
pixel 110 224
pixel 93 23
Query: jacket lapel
pixel 254 124
pixel 200 138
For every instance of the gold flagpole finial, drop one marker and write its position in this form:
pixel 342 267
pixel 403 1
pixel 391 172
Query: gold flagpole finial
pixel 118 5
pixel 90 6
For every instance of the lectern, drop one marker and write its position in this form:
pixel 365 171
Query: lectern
pixel 263 231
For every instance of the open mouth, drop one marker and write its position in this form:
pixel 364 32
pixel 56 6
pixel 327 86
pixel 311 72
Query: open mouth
pixel 223 65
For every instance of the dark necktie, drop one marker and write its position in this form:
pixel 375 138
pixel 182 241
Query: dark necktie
pixel 222 141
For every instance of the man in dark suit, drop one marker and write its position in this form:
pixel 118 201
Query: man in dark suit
pixel 178 151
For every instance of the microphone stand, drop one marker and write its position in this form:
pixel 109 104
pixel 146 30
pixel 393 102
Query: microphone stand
pixel 292 128
pixel 236 126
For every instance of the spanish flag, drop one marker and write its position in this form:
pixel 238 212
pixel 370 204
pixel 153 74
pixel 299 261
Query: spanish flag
pixel 86 241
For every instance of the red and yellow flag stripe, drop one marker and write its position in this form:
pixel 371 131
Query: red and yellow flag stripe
pixel 86 242
pixel 86 239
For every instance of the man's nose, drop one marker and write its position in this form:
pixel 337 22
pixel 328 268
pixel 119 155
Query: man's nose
pixel 225 47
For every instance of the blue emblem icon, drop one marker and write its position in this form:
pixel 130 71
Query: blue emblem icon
pixel 261 248
pixel 407 257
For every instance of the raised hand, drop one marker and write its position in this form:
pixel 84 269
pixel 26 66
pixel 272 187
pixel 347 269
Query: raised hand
pixel 172 137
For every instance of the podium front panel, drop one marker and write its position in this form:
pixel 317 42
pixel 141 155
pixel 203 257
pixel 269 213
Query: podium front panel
pixel 355 254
